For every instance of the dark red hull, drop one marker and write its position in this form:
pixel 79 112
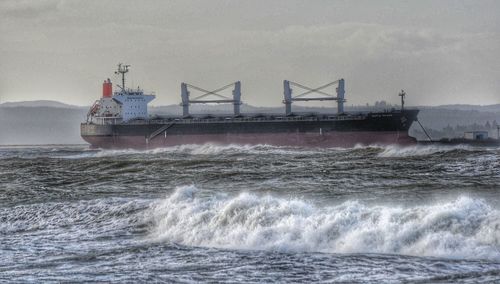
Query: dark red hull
pixel 345 130
pixel 331 139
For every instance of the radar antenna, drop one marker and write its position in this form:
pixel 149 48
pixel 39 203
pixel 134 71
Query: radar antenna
pixel 122 69
pixel 402 95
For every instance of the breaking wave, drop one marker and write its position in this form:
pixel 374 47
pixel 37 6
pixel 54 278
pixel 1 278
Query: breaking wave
pixel 397 151
pixel 460 228
pixel 383 151
pixel 201 149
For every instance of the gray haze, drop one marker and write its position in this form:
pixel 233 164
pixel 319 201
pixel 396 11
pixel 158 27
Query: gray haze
pixel 440 52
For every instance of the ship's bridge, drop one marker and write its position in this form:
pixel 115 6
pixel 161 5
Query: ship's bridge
pixel 120 106
pixel 134 103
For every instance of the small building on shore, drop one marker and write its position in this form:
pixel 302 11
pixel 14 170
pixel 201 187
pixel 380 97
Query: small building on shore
pixel 476 135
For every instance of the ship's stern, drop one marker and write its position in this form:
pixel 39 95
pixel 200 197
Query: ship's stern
pixel 97 135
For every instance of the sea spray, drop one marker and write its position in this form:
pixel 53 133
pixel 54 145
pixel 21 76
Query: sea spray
pixel 211 149
pixel 462 228
pixel 397 151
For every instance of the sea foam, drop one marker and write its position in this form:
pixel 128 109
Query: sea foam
pixel 210 149
pixel 203 149
pixel 397 151
pixel 462 228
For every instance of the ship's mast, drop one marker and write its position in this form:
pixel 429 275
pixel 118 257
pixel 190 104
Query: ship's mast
pixel 402 95
pixel 122 69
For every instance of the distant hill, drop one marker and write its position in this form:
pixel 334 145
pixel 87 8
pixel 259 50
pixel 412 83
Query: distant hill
pixel 491 108
pixel 39 103
pixel 40 125
pixel 50 122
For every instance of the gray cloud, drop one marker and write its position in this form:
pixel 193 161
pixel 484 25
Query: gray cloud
pixel 27 8
pixel 65 48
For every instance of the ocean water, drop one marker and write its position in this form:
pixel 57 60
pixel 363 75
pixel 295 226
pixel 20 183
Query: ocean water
pixel 208 213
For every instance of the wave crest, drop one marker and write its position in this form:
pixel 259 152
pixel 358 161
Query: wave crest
pixel 202 149
pixel 396 151
pixel 462 228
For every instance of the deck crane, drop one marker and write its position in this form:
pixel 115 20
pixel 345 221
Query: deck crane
pixel 289 99
pixel 186 101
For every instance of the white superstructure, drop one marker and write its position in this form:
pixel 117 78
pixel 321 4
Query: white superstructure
pixel 120 106
pixel 133 104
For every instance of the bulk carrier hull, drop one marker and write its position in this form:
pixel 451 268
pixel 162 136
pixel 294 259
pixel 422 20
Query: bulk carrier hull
pixel 345 130
pixel 121 120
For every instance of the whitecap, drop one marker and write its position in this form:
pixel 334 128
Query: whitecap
pixel 462 228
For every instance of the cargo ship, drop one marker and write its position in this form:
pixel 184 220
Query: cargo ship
pixel 120 119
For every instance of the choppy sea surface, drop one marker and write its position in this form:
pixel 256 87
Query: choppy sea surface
pixel 208 213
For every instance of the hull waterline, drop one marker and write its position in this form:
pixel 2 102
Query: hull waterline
pixel 332 139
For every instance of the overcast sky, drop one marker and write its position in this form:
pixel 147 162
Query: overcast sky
pixel 440 52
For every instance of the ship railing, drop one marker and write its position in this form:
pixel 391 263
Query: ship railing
pixel 223 119
pixel 105 120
